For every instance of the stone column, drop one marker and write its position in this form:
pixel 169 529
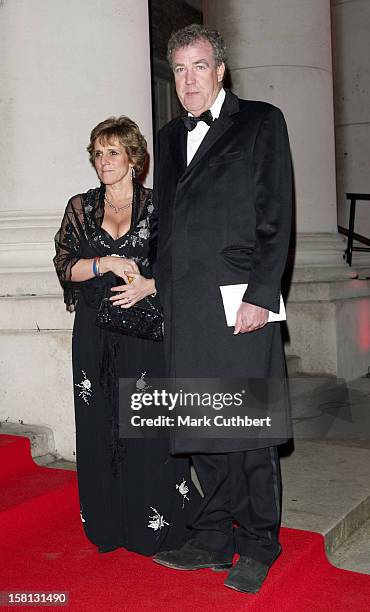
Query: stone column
pixel 65 67
pixel 351 27
pixel 280 52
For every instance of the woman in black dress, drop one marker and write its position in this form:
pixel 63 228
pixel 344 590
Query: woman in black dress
pixel 132 493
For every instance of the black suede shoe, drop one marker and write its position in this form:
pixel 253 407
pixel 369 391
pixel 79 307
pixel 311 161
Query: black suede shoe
pixel 193 556
pixel 247 575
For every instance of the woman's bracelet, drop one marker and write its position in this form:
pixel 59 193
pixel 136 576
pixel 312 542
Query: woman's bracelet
pixel 96 264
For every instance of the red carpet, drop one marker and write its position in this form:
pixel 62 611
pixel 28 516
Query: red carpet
pixel 43 548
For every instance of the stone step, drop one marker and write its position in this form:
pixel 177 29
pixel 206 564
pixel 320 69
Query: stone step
pixel 47 460
pixel 34 312
pixel 327 477
pixel 61 464
pixel 326 489
pixel 354 554
pixel 293 363
pixel 36 366
pixel 41 438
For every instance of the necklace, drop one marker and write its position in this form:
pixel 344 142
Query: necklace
pixel 117 209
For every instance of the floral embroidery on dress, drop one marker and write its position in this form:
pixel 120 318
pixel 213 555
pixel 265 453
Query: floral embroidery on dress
pixel 141 384
pixel 123 246
pixel 104 244
pixel 85 386
pixel 141 234
pixel 183 489
pixel 156 522
pixel 144 233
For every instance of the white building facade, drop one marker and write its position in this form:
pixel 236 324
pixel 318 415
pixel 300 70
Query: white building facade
pixel 68 65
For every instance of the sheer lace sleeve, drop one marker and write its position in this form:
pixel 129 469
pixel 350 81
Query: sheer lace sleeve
pixel 68 247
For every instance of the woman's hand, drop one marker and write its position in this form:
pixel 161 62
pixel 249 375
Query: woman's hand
pixel 120 266
pixel 137 288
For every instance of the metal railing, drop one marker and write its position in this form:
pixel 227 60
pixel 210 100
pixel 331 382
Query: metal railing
pixel 354 197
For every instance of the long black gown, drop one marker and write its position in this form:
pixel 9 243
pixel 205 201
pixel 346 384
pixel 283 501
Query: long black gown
pixel 132 492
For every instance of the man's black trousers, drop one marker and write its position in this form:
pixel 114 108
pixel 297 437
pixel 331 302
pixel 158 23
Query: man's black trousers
pixel 241 509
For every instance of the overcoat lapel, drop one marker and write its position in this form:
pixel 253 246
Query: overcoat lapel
pixel 178 141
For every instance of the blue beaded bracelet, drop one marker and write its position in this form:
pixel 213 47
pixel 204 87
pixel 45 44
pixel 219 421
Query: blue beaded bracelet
pixel 96 266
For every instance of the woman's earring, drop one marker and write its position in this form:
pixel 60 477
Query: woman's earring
pixel 132 173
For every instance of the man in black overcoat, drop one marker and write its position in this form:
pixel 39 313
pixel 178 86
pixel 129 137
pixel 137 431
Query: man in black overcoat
pixel 222 193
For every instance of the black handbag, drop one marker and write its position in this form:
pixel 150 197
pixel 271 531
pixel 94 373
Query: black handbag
pixel 143 320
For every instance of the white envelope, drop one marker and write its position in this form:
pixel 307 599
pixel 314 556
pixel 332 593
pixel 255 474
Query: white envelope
pixel 232 297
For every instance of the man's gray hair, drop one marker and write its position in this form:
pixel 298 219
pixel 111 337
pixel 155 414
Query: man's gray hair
pixel 192 34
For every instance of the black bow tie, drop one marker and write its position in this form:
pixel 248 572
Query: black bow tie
pixel 191 122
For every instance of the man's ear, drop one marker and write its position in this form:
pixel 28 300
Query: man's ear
pixel 220 72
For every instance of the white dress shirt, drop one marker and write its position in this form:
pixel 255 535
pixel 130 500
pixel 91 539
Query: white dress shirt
pixel 196 135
